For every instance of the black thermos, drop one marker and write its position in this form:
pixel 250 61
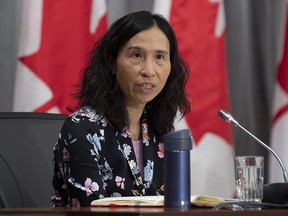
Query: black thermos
pixel 177 146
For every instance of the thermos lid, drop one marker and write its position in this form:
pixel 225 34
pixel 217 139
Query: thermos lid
pixel 178 140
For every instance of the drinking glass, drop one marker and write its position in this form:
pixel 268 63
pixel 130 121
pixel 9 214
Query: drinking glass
pixel 249 178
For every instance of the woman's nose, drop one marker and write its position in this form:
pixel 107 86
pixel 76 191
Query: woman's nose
pixel 148 68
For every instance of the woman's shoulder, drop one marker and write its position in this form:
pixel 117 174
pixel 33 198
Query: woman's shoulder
pixel 83 122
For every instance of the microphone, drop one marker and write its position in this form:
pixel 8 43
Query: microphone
pixel 274 192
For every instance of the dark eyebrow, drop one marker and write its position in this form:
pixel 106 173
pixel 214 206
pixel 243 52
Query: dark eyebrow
pixel 163 51
pixel 133 47
pixel 139 48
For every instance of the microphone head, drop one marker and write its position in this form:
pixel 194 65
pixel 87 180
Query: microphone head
pixel 227 117
pixel 224 115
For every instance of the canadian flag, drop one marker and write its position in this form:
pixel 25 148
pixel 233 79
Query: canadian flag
pixel 279 130
pixel 199 26
pixel 55 39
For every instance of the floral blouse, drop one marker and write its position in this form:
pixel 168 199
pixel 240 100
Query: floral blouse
pixel 92 160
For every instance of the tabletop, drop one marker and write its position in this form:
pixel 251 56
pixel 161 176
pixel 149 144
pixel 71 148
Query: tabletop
pixel 146 211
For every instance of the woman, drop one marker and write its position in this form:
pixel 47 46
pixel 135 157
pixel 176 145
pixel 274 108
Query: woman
pixel 128 99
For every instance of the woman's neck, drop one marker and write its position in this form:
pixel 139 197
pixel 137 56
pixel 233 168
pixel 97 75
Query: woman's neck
pixel 134 115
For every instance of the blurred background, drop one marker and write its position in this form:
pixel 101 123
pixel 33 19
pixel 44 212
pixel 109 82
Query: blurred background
pixel 254 41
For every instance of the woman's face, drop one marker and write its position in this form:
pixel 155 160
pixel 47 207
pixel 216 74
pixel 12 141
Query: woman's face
pixel 143 66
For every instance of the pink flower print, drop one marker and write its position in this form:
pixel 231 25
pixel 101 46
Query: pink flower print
pixel 145 134
pixel 125 133
pixel 90 186
pixel 66 155
pixel 75 203
pixel 105 184
pixel 120 181
pixel 161 150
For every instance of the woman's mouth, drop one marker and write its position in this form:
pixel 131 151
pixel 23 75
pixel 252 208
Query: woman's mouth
pixel 147 86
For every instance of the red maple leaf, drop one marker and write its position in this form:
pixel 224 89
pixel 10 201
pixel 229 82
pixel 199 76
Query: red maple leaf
pixel 282 76
pixel 65 44
pixel 194 24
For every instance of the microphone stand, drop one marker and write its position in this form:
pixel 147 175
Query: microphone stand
pixel 274 192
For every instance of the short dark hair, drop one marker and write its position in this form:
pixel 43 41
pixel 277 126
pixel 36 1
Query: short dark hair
pixel 99 90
